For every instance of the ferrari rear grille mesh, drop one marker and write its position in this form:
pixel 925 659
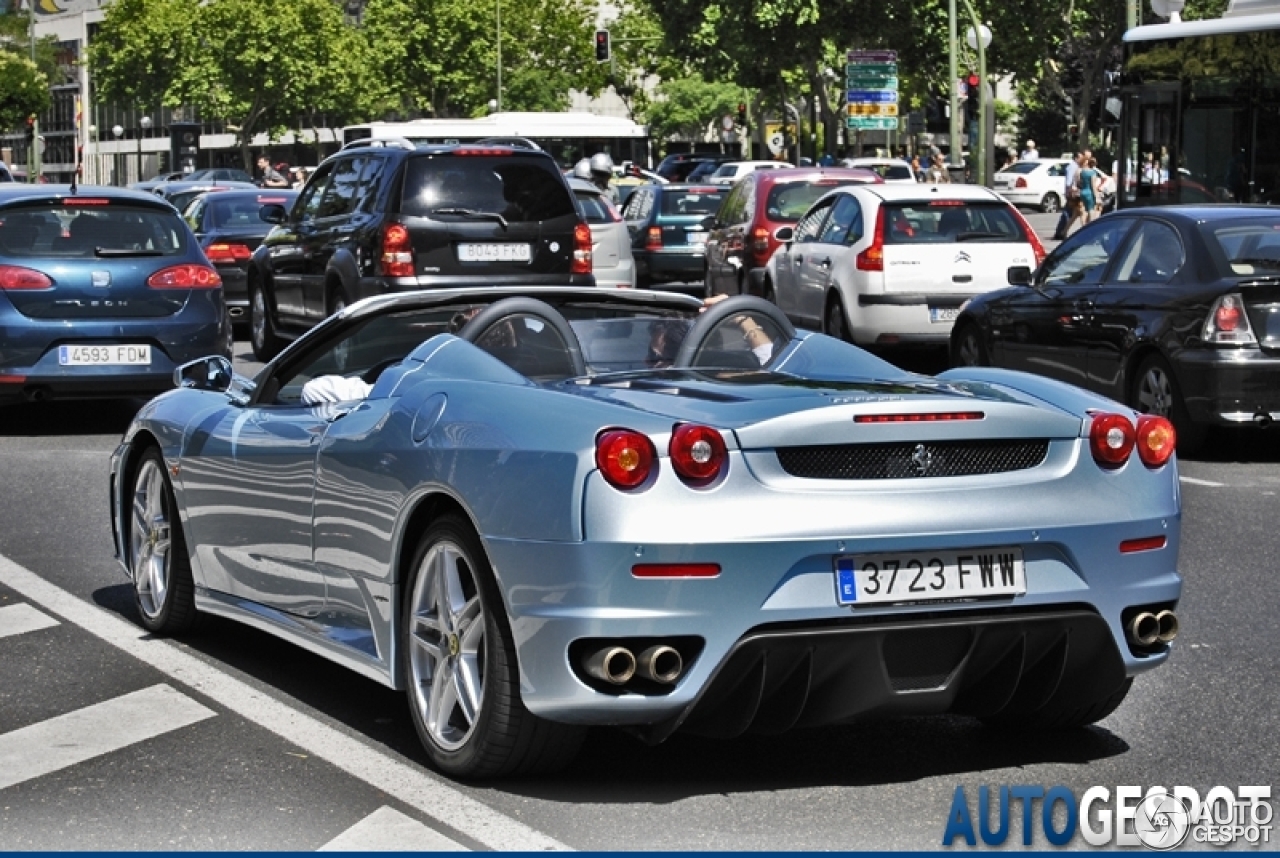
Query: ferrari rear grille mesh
pixel 910 460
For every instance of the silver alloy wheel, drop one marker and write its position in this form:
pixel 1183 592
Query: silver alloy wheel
pixel 1155 391
pixel 150 539
pixel 258 319
pixel 447 642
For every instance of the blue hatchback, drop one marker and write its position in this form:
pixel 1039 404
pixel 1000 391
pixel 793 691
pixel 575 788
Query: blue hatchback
pixel 103 292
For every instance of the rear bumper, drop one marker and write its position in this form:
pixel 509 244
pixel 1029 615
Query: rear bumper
pixel 1026 197
pixel 370 286
pixel 1230 387
pixel 902 318
pixel 665 265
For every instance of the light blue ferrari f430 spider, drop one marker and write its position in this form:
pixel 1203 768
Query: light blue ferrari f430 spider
pixel 621 507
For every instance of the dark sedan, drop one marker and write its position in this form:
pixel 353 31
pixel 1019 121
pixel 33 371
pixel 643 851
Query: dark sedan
pixel 103 293
pixel 1174 310
pixel 180 194
pixel 228 227
pixel 668 225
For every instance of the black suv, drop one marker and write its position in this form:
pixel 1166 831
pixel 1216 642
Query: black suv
pixel 386 215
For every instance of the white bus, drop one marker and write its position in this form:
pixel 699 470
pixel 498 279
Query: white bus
pixel 566 136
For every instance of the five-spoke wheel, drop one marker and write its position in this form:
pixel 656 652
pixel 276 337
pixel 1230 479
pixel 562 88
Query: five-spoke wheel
pixel 158 562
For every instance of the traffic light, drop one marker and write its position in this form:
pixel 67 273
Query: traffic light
pixel 742 113
pixel 974 98
pixel 602 46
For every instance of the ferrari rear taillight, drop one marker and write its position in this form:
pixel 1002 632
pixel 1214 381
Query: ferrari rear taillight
pixel 653 238
pixel 698 453
pixel 581 249
pixel 224 252
pixel 1111 439
pixel 1228 323
pixel 625 457
pixel 185 277
pixel 872 259
pixel 396 256
pixel 1032 239
pixel 14 277
pixel 1155 440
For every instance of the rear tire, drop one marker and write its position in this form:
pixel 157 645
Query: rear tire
pixel 834 321
pixel 967 347
pixel 1155 391
pixel 460 662
pixel 769 294
pixel 335 299
pixel 1051 204
pixel 262 330
pixel 163 589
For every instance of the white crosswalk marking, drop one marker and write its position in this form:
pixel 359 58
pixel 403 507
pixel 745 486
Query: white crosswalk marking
pixel 22 618
pixel 86 733
pixel 389 830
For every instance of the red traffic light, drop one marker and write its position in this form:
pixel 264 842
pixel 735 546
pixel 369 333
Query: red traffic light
pixel 973 80
pixel 602 46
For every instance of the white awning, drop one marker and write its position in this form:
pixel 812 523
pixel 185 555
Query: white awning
pixel 1210 27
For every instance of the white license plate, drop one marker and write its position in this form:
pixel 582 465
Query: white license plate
pixel 496 251
pixel 104 355
pixel 943 314
pixel 695 237
pixel 930 575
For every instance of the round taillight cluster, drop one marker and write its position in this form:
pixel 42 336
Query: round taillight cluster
pixel 697 452
pixel 1113 438
pixel 624 457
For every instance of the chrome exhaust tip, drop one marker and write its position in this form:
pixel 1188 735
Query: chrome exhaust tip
pixel 1143 629
pixel 660 663
pixel 1167 622
pixel 612 664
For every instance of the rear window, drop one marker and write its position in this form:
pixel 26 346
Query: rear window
pixel 787 202
pixel 1021 167
pixel 694 201
pixel 889 171
pixel 594 208
pixel 520 189
pixel 1251 247
pixel 242 212
pixel 89 231
pixel 943 222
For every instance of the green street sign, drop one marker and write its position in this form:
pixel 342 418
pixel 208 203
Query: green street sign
pixel 872 81
pixel 872 123
pixel 872 68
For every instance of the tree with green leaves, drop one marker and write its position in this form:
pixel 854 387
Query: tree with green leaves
pixel 24 84
pixel 440 57
pixel 254 64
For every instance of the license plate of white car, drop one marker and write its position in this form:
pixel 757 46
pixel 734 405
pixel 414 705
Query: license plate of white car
pixel 113 355
pixel 943 314
pixel 970 573
pixel 494 251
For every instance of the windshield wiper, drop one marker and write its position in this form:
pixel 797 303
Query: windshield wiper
pixel 473 215
pixel 970 236
pixel 117 252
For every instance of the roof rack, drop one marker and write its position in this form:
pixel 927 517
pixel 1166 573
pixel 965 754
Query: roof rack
pixel 513 142
pixel 397 142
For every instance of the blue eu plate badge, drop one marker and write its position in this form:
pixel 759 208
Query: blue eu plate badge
pixel 846 583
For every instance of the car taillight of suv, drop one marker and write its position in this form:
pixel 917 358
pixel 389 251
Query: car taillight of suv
pixel 396 256
pixel 581 249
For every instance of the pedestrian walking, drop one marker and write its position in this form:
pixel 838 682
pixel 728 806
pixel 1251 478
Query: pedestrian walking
pixel 938 174
pixel 1090 190
pixel 1070 196
pixel 269 176
pixel 1031 153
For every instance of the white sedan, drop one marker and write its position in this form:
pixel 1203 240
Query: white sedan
pixel 1039 184
pixel 731 171
pixel 891 264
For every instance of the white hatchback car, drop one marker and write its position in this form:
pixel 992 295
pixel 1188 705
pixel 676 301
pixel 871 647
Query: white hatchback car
pixel 731 171
pixel 889 169
pixel 891 264
pixel 1040 184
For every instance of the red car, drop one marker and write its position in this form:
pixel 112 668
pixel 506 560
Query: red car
pixel 744 233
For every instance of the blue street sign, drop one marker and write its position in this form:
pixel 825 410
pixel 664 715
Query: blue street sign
pixel 875 96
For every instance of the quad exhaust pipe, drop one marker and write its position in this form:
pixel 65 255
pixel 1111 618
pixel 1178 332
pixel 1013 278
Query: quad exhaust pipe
pixel 617 665
pixel 1147 628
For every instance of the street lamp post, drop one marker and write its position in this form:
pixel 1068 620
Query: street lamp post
pixel 117 131
pixel 953 84
pixel 498 14
pixel 145 122
pixel 978 37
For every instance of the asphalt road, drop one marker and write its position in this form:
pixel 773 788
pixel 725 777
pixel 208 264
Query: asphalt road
pixel 229 739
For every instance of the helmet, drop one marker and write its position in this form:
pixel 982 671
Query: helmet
pixel 582 169
pixel 602 163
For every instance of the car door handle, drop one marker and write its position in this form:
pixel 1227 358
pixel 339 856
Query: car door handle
pixel 823 263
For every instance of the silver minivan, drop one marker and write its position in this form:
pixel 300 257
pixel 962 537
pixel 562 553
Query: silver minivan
pixel 611 260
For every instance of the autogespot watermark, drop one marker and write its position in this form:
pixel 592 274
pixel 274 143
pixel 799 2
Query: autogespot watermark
pixel 1158 818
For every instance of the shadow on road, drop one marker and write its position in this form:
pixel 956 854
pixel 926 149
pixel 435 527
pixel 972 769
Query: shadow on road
pixel 68 417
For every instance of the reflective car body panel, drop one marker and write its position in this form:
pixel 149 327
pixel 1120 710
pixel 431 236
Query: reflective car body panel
pixel 299 518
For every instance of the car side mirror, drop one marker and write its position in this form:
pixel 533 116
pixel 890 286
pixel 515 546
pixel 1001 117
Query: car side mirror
pixel 1019 275
pixel 273 213
pixel 785 234
pixel 208 373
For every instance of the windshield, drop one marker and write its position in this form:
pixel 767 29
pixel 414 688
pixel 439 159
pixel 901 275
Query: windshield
pixel 788 201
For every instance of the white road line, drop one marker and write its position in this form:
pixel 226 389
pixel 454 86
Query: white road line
pixel 99 729
pixel 22 618
pixel 415 787
pixel 389 830
pixel 1193 481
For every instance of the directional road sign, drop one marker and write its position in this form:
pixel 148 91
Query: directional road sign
pixel 863 109
pixel 872 123
pixel 873 56
pixel 874 96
